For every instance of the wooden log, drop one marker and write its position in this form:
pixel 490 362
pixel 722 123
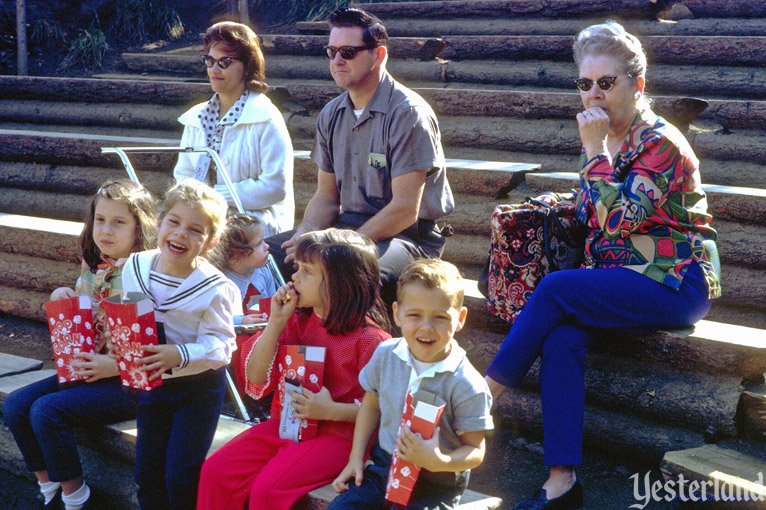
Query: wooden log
pixel 37 274
pixel 522 25
pixel 518 25
pixel 54 239
pixel 726 8
pixel 662 79
pixel 699 50
pixel 694 401
pixel 92 114
pixel 23 303
pixel 505 47
pixel 622 437
pixel 96 91
pixel 510 8
pixel 709 347
pixel 399 47
pixel 752 415
pixel 80 149
pixel 75 179
pixel 732 479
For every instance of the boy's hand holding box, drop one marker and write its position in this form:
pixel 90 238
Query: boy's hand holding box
pixel 70 322
pixel 131 325
pixel 422 412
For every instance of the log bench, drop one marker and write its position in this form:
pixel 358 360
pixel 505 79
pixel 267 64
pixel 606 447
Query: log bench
pixel 119 439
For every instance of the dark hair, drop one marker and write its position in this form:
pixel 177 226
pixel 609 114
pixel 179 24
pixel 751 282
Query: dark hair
pixel 235 240
pixel 143 207
pixel 241 39
pixel 351 283
pixel 373 31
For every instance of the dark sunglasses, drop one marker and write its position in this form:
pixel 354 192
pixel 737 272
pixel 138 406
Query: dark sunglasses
pixel 223 62
pixel 605 83
pixel 346 52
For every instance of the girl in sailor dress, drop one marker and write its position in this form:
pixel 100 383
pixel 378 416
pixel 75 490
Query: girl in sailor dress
pixel 195 303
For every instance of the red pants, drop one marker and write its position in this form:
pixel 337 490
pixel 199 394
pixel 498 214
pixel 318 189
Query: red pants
pixel 259 471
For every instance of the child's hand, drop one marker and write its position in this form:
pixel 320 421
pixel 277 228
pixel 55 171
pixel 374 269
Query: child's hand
pixel 62 293
pixel 421 452
pixel 313 406
pixel 283 302
pixel 95 366
pixel 113 350
pixel 166 357
pixel 255 318
pixel 354 469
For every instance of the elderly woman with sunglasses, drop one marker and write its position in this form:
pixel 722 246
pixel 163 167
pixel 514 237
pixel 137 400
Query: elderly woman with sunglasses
pixel 243 126
pixel 650 253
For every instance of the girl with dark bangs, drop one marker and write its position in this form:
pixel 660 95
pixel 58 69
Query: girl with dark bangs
pixel 121 219
pixel 333 302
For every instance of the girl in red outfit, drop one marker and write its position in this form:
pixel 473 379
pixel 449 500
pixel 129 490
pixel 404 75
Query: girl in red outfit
pixel 336 293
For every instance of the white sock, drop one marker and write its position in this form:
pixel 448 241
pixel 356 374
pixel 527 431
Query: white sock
pixel 77 499
pixel 48 489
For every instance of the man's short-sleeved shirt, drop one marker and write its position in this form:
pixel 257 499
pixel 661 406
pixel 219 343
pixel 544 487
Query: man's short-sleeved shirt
pixel 397 133
pixel 390 376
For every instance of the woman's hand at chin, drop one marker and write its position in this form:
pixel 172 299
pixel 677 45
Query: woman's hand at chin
pixel 593 124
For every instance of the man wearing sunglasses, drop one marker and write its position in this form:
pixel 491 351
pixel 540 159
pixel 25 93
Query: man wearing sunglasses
pixel 378 149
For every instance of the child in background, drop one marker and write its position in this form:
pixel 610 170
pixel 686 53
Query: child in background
pixel 242 256
pixel 195 302
pixel 336 291
pixel 41 416
pixel 429 310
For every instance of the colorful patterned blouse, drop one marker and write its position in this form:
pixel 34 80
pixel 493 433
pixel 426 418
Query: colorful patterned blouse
pixel 105 282
pixel 648 212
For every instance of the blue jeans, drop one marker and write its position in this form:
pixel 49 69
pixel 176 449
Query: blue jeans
pixel 41 417
pixel 433 491
pixel 557 323
pixel 176 425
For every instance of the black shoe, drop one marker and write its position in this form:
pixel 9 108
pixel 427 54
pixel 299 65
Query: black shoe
pixel 54 504
pixel 96 501
pixel 570 500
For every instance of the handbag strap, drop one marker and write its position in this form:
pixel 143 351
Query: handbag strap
pixel 552 217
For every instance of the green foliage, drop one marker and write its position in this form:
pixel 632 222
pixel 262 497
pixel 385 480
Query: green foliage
pixel 138 21
pixel 46 33
pixel 86 50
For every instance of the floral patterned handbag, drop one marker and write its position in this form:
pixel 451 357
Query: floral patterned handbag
pixel 529 241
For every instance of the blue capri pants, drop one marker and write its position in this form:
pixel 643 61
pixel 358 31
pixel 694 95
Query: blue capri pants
pixel 42 417
pixel 565 309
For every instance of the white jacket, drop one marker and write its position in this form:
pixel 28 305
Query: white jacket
pixel 198 317
pixel 258 155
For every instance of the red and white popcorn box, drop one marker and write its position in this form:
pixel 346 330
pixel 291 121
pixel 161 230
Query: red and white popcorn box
pixel 70 322
pixel 131 325
pixel 303 366
pixel 422 412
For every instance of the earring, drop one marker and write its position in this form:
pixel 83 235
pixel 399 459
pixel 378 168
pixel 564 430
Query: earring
pixel 636 95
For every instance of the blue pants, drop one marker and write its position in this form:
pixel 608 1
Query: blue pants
pixel 42 416
pixel 557 323
pixel 433 491
pixel 176 425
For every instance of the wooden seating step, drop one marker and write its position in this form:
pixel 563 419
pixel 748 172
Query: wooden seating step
pixel 535 8
pixel 121 437
pixel 11 365
pixel 662 79
pixel 733 475
pixel 519 25
pixel 321 497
